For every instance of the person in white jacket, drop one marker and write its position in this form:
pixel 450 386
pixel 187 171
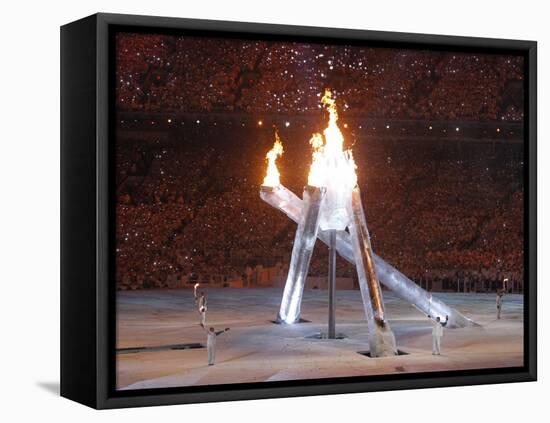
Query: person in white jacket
pixel 500 294
pixel 211 343
pixel 437 333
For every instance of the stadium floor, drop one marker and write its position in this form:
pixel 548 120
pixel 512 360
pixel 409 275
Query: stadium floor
pixel 257 350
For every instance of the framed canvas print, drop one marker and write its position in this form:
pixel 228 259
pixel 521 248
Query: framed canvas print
pixel 255 211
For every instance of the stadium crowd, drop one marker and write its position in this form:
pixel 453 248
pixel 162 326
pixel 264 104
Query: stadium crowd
pixel 187 212
pixel 188 203
pixel 193 74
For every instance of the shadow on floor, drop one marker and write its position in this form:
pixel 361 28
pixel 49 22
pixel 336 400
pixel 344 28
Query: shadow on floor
pixel 51 387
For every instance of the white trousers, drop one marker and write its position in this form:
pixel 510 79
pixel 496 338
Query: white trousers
pixel 211 354
pixel 436 347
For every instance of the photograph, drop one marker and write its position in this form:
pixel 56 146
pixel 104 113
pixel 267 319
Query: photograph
pixel 251 212
pixel 300 209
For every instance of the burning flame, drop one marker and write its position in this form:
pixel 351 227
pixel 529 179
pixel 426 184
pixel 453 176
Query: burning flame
pixel 272 177
pixel 331 164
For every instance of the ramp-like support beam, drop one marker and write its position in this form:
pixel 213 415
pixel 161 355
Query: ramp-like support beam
pixel 381 337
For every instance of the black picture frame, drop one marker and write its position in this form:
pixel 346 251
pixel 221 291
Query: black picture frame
pixel 87 296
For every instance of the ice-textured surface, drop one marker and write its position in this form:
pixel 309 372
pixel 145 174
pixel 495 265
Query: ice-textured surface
pixel 334 213
pixel 286 201
pixel 381 338
pixel 304 242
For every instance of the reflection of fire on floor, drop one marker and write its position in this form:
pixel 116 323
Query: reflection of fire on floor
pixel 278 322
pixel 256 350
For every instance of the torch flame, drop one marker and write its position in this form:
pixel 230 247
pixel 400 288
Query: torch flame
pixel 272 177
pixel 331 164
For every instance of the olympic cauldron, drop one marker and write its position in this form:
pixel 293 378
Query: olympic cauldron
pixel 331 210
